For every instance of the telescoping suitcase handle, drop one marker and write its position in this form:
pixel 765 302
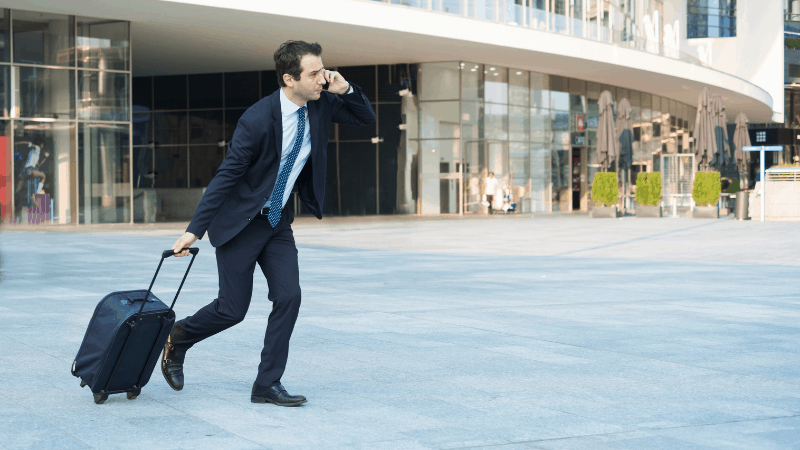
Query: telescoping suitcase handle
pixel 164 255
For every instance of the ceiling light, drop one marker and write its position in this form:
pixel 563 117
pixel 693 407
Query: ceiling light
pixel 473 70
pixel 519 73
pixel 491 68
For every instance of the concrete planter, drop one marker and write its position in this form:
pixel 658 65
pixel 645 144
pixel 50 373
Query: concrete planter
pixel 604 212
pixel 705 212
pixel 648 211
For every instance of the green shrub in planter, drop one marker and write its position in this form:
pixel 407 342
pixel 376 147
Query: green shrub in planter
pixel 733 187
pixel 648 188
pixel 605 189
pixel 706 188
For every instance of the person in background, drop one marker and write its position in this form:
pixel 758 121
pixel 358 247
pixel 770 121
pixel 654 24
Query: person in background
pixel 490 187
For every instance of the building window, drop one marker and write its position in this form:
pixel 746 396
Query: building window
pixel 711 18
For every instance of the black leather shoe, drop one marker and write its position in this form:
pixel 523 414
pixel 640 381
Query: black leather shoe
pixel 172 360
pixel 275 394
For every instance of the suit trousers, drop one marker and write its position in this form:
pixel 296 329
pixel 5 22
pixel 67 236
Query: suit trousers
pixel 275 252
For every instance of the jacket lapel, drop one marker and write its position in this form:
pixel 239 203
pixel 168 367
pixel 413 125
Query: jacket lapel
pixel 313 124
pixel 278 123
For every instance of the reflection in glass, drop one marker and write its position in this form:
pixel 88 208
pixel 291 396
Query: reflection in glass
pixel 232 117
pixel 540 125
pixel 104 188
pixel 206 127
pixel 45 93
pixel 496 84
pixel 540 197
pixel 439 120
pixel 518 87
pixel 540 90
pixel 43 38
pixel 170 128
pixel 471 81
pixel 439 81
pixel 496 121
pixel 518 126
pixel 142 128
pixel 559 100
pixel 470 119
pixel 43 147
pixel 5 42
pixel 5 91
pixel 204 160
pixel 103 44
pixel 103 95
pixel 171 167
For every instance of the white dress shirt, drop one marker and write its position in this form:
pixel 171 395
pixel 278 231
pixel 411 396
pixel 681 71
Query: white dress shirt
pixel 289 118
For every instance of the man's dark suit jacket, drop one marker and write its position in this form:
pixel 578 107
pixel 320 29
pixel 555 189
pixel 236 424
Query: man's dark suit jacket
pixel 246 178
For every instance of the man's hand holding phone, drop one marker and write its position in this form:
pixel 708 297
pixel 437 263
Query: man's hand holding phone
pixel 335 83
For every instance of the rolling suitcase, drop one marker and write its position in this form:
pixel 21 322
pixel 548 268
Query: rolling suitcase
pixel 124 339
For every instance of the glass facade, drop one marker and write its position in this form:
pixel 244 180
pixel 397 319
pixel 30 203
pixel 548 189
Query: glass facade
pixel 441 127
pixel 181 126
pixel 535 132
pixel 66 124
pixel 710 19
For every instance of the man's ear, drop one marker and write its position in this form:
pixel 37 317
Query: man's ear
pixel 288 80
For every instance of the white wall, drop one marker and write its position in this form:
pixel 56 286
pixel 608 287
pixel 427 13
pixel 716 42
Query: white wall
pixel 755 54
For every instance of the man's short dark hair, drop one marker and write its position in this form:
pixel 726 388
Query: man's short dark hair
pixel 38 142
pixel 287 58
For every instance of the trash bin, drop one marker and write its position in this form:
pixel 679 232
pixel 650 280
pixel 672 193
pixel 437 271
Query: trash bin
pixel 740 209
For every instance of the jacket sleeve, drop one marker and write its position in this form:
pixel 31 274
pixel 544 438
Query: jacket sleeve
pixel 240 153
pixel 353 108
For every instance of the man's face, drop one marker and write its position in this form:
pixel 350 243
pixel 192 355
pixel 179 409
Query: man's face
pixel 312 78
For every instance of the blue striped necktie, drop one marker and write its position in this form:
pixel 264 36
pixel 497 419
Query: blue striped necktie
pixel 276 205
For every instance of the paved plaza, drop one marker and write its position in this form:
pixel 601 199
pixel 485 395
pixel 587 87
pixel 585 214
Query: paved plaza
pixel 527 332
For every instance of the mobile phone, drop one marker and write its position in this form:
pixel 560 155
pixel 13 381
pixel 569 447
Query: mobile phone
pixel 326 86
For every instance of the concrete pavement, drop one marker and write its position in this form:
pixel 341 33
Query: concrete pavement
pixel 548 332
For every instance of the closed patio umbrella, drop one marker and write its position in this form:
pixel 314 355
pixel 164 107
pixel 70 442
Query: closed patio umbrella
pixel 625 138
pixel 607 143
pixel 625 134
pixel 722 160
pixel 741 138
pixel 704 130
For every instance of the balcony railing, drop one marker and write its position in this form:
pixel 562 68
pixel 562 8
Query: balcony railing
pixel 513 14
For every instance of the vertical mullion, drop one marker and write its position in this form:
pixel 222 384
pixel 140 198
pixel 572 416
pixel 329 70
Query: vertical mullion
pixel 377 148
pixel 130 119
pixel 13 83
pixel 75 178
pixel 188 135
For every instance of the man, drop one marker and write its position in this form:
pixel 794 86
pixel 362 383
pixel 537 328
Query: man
pixel 31 176
pixel 490 188
pixel 279 142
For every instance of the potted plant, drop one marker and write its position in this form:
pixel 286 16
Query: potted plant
pixel 605 192
pixel 705 192
pixel 648 194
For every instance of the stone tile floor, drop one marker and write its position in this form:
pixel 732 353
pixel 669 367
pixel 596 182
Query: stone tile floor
pixel 545 332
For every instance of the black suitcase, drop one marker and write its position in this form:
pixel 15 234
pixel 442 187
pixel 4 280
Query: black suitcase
pixel 124 339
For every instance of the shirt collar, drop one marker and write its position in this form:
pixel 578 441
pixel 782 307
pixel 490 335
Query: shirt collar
pixel 287 106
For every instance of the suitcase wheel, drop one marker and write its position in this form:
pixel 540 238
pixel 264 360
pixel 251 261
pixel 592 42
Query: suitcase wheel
pixel 134 393
pixel 83 383
pixel 100 398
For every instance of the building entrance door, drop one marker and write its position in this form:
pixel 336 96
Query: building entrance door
pixel 579 179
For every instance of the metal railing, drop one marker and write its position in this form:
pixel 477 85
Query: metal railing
pixel 510 13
